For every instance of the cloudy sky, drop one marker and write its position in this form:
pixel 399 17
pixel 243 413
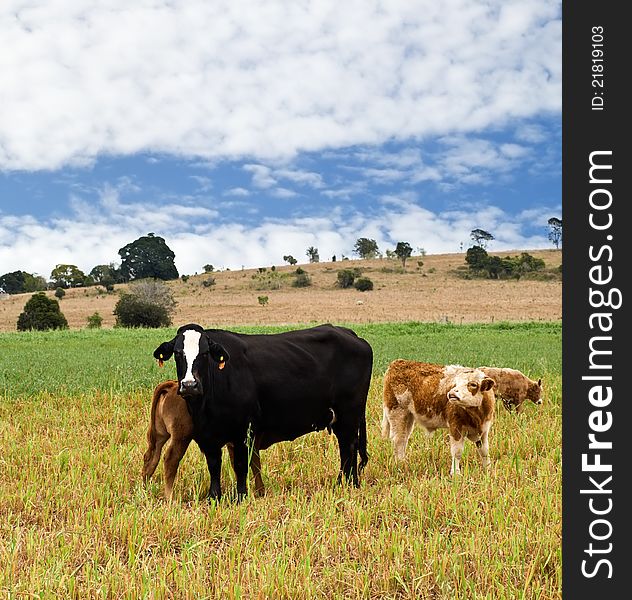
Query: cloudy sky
pixel 241 131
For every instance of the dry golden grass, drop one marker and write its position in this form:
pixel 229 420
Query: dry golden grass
pixel 431 293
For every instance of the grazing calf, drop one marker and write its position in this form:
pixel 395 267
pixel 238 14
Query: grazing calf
pixel 514 387
pixel 456 398
pixel 170 420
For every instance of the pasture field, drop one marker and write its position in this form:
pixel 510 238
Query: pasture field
pixel 76 522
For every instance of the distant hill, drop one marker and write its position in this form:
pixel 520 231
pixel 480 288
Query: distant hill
pixel 431 288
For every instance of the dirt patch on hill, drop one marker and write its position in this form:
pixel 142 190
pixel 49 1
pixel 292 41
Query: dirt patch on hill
pixel 431 292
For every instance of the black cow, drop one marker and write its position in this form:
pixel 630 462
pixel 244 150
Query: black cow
pixel 276 387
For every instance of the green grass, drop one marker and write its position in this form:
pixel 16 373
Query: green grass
pixel 76 522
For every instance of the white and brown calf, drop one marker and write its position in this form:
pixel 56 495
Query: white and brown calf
pixel 514 387
pixel 459 399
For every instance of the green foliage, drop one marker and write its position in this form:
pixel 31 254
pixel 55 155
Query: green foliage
pixel 313 255
pixel 66 276
pixel 263 300
pixel 147 303
pixel 94 321
pixel 481 237
pixel 495 267
pixel 555 231
pixel 184 278
pixel 346 277
pixel 403 250
pixel 208 268
pixel 301 280
pixel 41 313
pixel 288 258
pixel 363 284
pixel 60 293
pixel 13 283
pixel 208 282
pixel 268 280
pixel 148 256
pixel 365 248
pixel 106 275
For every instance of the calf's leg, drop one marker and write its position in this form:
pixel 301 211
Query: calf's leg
pixel 401 423
pixel 173 456
pixel 456 449
pixel 482 446
pixel 151 458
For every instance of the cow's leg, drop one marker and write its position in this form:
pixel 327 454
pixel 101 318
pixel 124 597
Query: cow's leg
pixel 401 426
pixel 255 467
pixel 240 465
pixel 151 458
pixel 348 446
pixel 482 446
pixel 456 449
pixel 213 456
pixel 173 456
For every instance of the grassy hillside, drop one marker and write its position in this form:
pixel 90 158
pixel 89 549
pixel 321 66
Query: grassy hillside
pixel 432 292
pixel 77 523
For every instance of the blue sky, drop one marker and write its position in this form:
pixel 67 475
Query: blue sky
pixel 243 131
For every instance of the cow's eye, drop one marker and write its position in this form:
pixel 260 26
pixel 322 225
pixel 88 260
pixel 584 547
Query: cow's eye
pixel 472 386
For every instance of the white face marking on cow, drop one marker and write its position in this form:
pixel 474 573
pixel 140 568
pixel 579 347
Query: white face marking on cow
pixel 466 388
pixel 191 351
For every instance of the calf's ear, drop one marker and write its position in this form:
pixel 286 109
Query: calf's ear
pixel 164 351
pixel 487 384
pixel 539 383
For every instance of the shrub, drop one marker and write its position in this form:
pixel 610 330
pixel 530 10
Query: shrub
pixel 60 293
pixel 302 280
pixel 263 300
pixel 345 278
pixel 208 282
pixel 148 303
pixel 41 313
pixel 94 321
pixel 363 284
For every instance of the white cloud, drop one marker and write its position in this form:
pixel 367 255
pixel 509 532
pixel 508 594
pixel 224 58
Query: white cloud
pixel 267 80
pixel 94 233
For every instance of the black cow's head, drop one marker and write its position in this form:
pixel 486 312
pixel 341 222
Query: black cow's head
pixel 193 350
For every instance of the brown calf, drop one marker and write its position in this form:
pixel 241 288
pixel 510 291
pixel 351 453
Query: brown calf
pixel 514 387
pixel 170 419
pixel 451 397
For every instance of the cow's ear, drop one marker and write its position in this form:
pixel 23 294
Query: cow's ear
pixel 218 353
pixel 487 384
pixel 539 383
pixel 164 351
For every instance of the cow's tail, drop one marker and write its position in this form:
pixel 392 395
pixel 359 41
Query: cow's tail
pixel 364 455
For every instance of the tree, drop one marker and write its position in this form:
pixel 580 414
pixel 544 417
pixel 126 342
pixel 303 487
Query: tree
pixel 365 248
pixel 312 253
pixel 403 250
pixel 148 256
pixel 41 313
pixel 288 258
pixel 60 293
pixel 106 275
pixel 65 276
pixel 476 257
pixel 481 237
pixel 14 282
pixel 555 231
pixel 147 303
pixel 208 268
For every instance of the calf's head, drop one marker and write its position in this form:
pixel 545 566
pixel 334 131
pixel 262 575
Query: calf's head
pixel 534 391
pixel 469 387
pixel 195 353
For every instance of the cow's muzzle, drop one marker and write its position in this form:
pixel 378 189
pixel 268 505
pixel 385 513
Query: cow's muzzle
pixel 189 388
